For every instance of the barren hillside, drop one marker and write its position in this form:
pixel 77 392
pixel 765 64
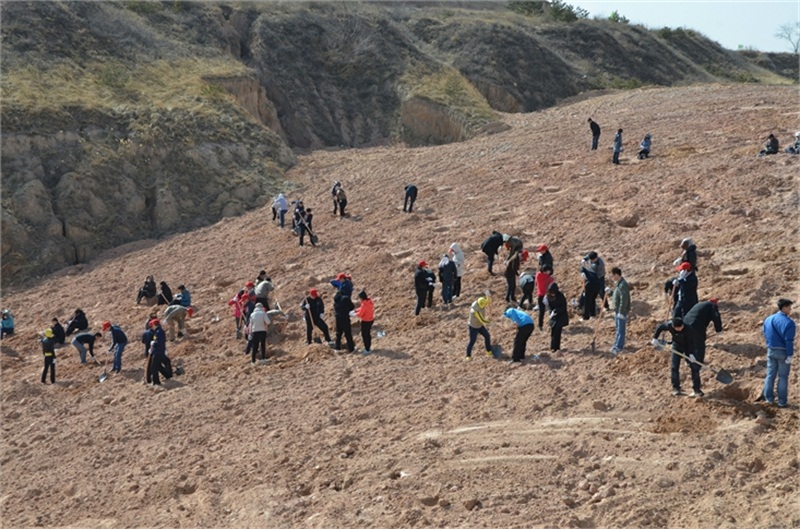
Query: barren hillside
pixel 412 435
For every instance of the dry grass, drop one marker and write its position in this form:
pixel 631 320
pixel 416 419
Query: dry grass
pixel 169 84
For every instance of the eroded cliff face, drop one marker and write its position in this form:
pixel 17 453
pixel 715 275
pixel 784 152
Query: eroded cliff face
pixel 94 184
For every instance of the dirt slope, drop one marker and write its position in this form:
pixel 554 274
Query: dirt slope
pixel 413 436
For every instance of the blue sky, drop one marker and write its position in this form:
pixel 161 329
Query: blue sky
pixel 731 23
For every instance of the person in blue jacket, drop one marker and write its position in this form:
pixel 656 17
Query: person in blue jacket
pixel 645 147
pixel 617 146
pixel 524 325
pixel 118 342
pixel 779 332
pixel 183 297
pixel 6 324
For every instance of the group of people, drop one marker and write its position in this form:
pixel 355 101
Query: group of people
pixel 772 145
pixel 617 146
pixel 302 218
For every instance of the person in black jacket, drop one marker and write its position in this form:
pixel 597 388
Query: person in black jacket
pixel 49 352
pixel 165 296
pixel 511 271
pixel 593 283
pixel 410 198
pixel 772 146
pixel 58 332
pixel 559 317
pixel 447 276
pixel 491 246
pixel 342 306
pixel 545 257
pixel 423 286
pixel 78 322
pixel 688 255
pixel 595 128
pixel 148 291
pixel 683 341
pixel 698 319
pixel 313 314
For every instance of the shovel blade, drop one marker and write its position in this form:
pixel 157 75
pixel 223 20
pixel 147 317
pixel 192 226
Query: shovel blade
pixel 103 377
pixel 724 377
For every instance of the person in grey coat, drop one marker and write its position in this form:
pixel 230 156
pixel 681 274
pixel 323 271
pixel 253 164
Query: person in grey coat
pixel 617 147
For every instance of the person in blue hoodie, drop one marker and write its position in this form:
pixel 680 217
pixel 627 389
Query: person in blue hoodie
pixel 343 283
pixel 6 324
pixel 183 297
pixel 524 325
pixel 645 146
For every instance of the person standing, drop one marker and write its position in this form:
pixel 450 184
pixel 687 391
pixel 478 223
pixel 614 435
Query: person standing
pixel 342 307
pixel 281 206
pixel 458 259
pixel 118 343
pixel 559 317
pixel 621 298
pixel 477 325
pixel 491 246
pixel 49 352
pixel 262 290
pixel 82 341
pixel 334 190
pixel 259 324
pixel 158 361
pixel 544 278
pixel 314 314
pixel 447 276
pixel 341 199
pixel 524 325
pixel 511 271
pixel 545 257
pixel 6 324
pixel 617 147
pixel 595 128
pixel 422 287
pixel 779 333
pixel 593 272
pixel 683 338
pixel 344 283
pixel 686 287
pixel 410 197
pixel 688 254
pixel 366 313
pixel 527 283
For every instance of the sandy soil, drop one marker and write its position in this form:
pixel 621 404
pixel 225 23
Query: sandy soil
pixel 412 435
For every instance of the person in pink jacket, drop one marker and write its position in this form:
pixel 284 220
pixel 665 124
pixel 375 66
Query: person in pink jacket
pixel 236 303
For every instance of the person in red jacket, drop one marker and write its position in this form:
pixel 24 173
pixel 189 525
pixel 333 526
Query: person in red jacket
pixel 544 278
pixel 366 313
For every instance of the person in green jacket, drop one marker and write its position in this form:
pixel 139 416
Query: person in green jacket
pixel 621 298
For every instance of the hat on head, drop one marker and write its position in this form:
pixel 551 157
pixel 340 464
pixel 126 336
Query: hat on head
pixel 715 301
pixel 783 302
pixel 541 248
pixel 313 293
pixel 259 305
pixel 249 284
pixel 106 325
pixel 684 266
pixel 422 264
pixel 506 237
pixel 48 333
pixel 341 276
pixel 153 323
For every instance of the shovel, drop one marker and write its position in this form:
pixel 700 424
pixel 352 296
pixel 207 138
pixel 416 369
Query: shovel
pixel 722 375
pixel 599 319
pixel 104 374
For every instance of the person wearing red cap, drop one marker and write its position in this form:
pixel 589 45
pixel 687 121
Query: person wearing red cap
pixel 314 313
pixel 686 287
pixel 344 283
pixel 424 284
pixel 118 342
pixel 545 257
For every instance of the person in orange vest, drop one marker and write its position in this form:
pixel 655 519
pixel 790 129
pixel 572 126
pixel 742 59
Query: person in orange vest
pixel 366 313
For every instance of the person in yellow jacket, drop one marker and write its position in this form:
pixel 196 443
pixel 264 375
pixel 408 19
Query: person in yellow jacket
pixel 477 325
